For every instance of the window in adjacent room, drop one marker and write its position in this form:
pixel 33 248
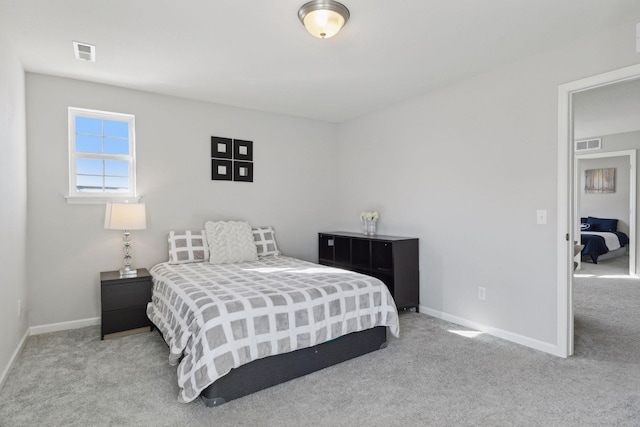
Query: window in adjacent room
pixel 101 156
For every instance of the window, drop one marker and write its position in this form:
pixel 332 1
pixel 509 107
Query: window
pixel 101 156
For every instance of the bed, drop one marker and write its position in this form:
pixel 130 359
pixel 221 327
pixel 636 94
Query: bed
pixel 601 239
pixel 239 327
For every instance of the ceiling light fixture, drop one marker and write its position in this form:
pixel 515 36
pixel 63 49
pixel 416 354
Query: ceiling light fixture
pixel 323 18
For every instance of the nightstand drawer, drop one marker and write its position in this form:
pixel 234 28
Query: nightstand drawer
pixel 125 295
pixel 123 320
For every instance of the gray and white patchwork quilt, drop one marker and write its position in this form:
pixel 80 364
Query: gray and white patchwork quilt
pixel 218 317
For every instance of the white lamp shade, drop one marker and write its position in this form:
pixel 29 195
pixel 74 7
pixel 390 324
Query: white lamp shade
pixel 125 216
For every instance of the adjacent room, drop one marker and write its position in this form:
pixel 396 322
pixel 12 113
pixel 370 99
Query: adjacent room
pixel 418 161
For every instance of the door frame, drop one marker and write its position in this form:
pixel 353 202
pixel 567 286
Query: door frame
pixel 632 197
pixel 566 200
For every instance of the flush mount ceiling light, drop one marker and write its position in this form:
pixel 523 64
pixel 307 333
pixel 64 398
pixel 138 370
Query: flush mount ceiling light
pixel 323 18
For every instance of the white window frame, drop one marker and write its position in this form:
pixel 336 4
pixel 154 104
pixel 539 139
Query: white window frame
pixel 76 196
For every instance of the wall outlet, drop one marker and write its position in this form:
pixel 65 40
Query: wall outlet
pixel 482 293
pixel 19 307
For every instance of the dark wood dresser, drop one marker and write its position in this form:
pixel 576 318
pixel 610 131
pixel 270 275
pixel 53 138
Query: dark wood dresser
pixel 392 259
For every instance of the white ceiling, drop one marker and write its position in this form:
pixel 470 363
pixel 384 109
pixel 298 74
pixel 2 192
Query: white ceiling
pixel 256 54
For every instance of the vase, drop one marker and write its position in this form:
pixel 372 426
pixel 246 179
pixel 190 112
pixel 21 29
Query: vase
pixel 365 227
pixel 371 227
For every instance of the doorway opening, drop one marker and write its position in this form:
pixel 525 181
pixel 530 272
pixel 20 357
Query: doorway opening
pixel 620 204
pixel 567 210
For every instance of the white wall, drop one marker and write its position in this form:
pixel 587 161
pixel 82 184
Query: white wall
pixel 606 205
pixel 13 207
pixel 295 177
pixel 464 169
pixel 607 110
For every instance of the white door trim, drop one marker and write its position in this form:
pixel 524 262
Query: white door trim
pixel 632 197
pixel 566 208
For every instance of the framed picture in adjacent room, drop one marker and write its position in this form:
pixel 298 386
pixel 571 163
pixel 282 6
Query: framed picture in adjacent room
pixel 600 181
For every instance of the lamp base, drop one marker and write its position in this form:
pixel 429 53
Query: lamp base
pixel 128 272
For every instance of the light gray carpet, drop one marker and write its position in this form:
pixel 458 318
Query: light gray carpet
pixel 429 377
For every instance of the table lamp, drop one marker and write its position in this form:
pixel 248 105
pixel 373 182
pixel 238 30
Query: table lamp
pixel 127 217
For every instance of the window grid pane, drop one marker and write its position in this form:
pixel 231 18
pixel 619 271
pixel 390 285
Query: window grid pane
pixel 86 166
pixel 116 129
pixel 116 168
pixel 88 126
pixel 116 184
pixel 116 146
pixel 88 144
pixel 89 183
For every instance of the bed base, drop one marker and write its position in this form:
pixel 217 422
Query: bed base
pixel 623 251
pixel 263 373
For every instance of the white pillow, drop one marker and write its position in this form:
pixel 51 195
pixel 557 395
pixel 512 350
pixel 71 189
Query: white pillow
pixel 265 240
pixel 188 246
pixel 230 241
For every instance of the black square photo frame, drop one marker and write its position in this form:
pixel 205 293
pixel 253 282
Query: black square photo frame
pixel 221 148
pixel 243 171
pixel 221 170
pixel 243 150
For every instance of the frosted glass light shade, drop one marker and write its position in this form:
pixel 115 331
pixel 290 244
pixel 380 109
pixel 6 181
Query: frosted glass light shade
pixel 125 216
pixel 323 18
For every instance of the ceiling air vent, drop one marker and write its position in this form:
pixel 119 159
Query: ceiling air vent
pixel 84 52
pixel 589 144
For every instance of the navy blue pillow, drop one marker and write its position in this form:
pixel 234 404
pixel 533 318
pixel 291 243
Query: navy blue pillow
pixel 602 224
pixel 583 220
pixel 585 226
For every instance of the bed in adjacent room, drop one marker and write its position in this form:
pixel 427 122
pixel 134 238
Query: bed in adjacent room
pixel 601 238
pixel 237 322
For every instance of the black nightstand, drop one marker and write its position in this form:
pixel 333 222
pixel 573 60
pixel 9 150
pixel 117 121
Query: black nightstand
pixel 124 301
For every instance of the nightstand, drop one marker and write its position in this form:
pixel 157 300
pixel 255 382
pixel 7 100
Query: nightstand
pixel 124 301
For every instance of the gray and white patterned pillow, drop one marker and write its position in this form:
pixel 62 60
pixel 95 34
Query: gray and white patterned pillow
pixel 230 241
pixel 188 246
pixel 265 240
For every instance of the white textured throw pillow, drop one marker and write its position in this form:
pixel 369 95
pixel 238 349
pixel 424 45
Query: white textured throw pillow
pixel 188 246
pixel 230 241
pixel 265 240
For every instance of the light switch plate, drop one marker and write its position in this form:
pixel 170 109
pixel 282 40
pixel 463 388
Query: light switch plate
pixel 541 216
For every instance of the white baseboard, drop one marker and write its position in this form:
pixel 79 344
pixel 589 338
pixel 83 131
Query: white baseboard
pixel 499 333
pixel 63 326
pixel 15 354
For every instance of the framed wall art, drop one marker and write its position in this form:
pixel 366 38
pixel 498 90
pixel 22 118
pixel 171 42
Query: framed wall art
pixel 599 181
pixel 231 159
pixel 221 148
pixel 221 170
pixel 243 150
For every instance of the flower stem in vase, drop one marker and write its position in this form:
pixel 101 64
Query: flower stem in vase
pixel 372 227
